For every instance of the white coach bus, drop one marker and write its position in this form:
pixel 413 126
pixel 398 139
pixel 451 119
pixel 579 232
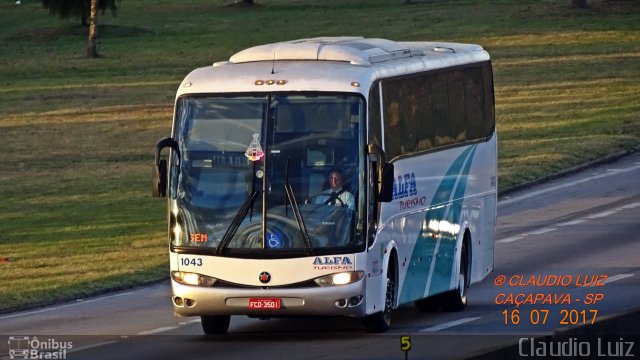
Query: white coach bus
pixel 338 176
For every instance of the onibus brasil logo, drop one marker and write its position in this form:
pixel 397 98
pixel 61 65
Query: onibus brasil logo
pixel 26 347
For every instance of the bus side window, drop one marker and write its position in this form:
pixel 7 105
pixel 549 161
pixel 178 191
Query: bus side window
pixel 375 132
pixel 473 102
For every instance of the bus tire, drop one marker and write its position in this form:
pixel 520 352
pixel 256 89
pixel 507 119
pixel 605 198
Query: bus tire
pixel 381 321
pixel 218 324
pixel 456 300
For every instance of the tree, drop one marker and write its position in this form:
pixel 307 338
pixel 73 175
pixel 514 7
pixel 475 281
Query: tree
pixel 92 49
pixel 79 9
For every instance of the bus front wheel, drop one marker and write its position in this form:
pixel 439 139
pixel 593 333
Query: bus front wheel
pixel 212 325
pixel 381 321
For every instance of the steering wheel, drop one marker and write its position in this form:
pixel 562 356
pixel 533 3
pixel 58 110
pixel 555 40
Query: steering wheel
pixel 326 202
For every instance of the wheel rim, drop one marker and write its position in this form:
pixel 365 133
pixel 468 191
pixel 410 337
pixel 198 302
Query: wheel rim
pixel 462 288
pixel 462 280
pixel 388 303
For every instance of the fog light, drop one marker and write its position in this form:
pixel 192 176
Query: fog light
pixel 355 300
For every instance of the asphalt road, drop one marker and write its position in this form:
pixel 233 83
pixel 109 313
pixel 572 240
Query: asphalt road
pixel 566 255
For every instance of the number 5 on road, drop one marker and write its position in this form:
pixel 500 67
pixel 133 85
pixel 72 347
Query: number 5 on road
pixel 405 343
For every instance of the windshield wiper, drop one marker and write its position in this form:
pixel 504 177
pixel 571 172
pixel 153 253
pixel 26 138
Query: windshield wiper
pixel 240 215
pixel 235 224
pixel 296 211
pixel 242 212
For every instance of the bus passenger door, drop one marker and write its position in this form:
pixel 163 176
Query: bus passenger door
pixel 379 190
pixel 375 243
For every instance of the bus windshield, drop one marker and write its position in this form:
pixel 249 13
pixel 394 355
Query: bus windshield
pixel 268 174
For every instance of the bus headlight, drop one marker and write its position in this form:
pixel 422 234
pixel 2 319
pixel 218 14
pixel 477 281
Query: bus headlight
pixel 342 278
pixel 188 278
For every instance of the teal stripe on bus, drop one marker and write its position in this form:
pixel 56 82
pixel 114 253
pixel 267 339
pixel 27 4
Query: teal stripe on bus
pixel 441 279
pixel 415 281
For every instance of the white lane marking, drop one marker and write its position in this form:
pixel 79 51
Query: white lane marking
pixel 522 236
pixel 510 239
pixel 602 214
pixel 631 206
pixel 565 185
pixel 449 324
pixel 168 328
pixel 542 231
pixel 569 223
pixel 159 330
pixel 573 222
pixel 91 346
pixel 613 278
pixel 62 306
pixel 610 279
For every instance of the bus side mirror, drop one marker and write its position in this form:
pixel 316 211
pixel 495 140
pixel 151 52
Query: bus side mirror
pixel 386 185
pixel 159 182
pixel 159 186
pixel 384 174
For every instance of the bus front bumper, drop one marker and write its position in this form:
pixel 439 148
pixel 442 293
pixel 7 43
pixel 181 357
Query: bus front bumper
pixel 343 300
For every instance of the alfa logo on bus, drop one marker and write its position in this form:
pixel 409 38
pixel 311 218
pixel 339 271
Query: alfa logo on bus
pixel 264 277
pixel 404 186
pixel 332 263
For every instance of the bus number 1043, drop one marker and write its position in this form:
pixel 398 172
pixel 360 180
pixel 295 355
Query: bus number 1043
pixel 191 261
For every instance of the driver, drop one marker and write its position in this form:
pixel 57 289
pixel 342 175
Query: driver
pixel 335 194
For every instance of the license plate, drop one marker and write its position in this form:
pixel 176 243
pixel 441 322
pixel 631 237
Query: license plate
pixel 264 304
